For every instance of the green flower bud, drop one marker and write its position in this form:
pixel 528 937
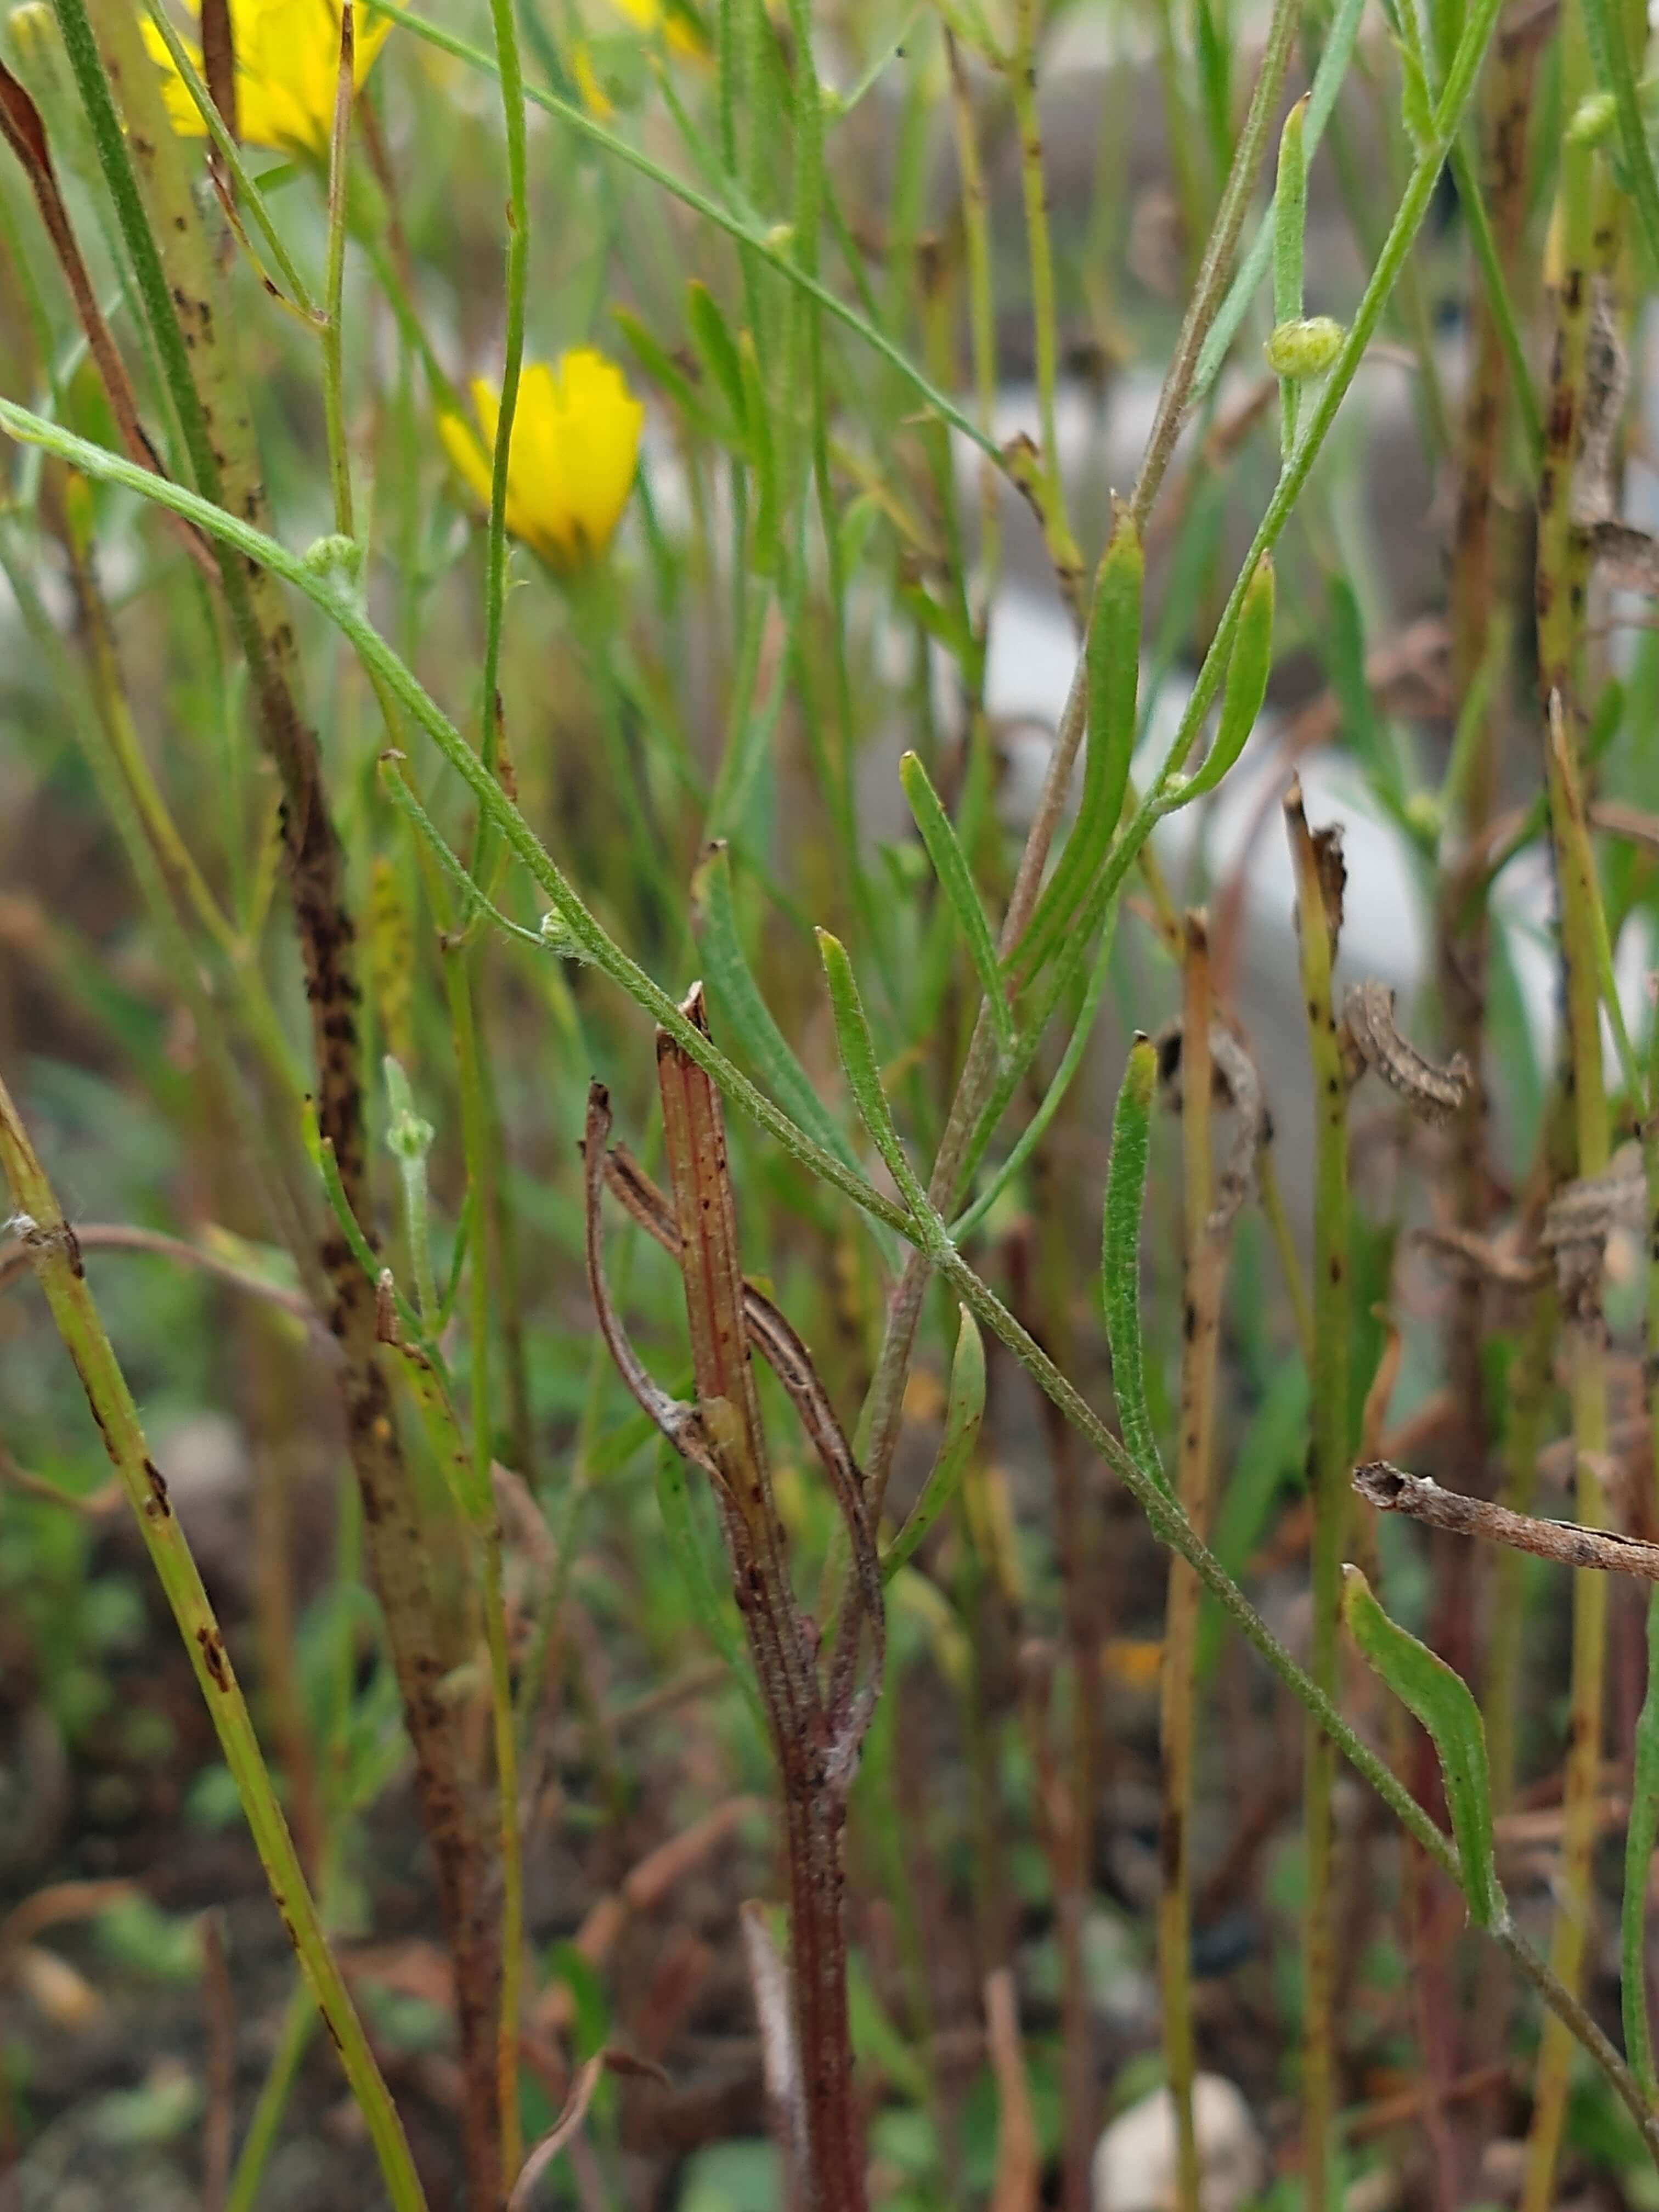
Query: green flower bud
pixel 1593 120
pixel 557 936
pixel 1305 348
pixel 338 561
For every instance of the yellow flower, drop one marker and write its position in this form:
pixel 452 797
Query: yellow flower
pixel 288 63
pixel 680 30
pixel 594 97
pixel 576 441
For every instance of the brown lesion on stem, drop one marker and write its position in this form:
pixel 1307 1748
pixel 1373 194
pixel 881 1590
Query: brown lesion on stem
pixel 816 1727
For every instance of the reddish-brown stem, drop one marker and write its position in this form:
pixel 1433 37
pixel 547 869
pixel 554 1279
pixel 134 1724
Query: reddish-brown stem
pixel 815 1739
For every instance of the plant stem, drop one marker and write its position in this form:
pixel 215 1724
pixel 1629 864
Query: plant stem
pixel 510 71
pixel 1210 285
pixel 1194 1462
pixel 1561 575
pixel 1318 921
pixel 478 1148
pixel 982 324
pixel 332 331
pixel 1034 192
pixel 177 284
pixel 57 1265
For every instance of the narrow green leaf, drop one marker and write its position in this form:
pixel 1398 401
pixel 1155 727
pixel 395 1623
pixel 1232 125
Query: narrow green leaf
pixel 858 1058
pixel 319 1151
pixel 457 1463
pixel 737 996
pixel 1290 214
pixel 716 351
pixel 1112 669
pixel 1639 1858
pixel 1416 110
pixel 1322 99
pixel 1440 1700
pixel 1120 1258
pixel 943 624
pixel 964 1411
pixel 1604 32
pixel 955 881
pixel 1245 687
pixel 1289 220
pixel 763 538
pixel 659 365
pixel 1215 60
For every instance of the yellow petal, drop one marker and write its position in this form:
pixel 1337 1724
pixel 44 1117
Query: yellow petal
pixel 288 62
pixel 575 445
pixel 470 459
pixel 593 96
pixel 650 15
pixel 182 111
pixel 599 422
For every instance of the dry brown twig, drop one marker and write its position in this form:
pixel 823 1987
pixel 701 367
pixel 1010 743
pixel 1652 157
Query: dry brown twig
pixel 1392 1490
pixel 1433 1093
pixel 1018 2168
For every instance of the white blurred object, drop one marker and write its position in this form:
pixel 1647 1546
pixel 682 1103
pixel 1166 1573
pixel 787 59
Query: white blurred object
pixel 1134 2166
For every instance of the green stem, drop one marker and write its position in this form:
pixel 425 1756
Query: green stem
pixel 1209 287
pixel 332 331
pixel 1201 1343
pixel 57 1265
pixel 510 72
pixel 482 1166
pixel 1034 191
pixel 1329 1466
pixel 1499 305
pixel 299 2021
pixel 1560 576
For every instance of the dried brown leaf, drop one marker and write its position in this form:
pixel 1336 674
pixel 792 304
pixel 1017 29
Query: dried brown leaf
pixel 1433 1093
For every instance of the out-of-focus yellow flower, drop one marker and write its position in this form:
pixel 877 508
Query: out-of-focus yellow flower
pixel 594 97
pixel 575 442
pixel 288 63
pixel 681 33
pixel 609 68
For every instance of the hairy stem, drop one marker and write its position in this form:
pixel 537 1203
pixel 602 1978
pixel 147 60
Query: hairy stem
pixel 1319 916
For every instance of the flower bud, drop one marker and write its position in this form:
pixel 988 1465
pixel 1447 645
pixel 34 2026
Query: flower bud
pixel 1593 120
pixel 338 561
pixel 1305 348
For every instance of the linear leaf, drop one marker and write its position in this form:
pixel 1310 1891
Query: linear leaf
pixel 858 1057
pixel 1638 1857
pixel 1321 98
pixel 1120 1258
pixel 964 1411
pixel 731 983
pixel 1112 668
pixel 951 867
pixel 1440 1700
